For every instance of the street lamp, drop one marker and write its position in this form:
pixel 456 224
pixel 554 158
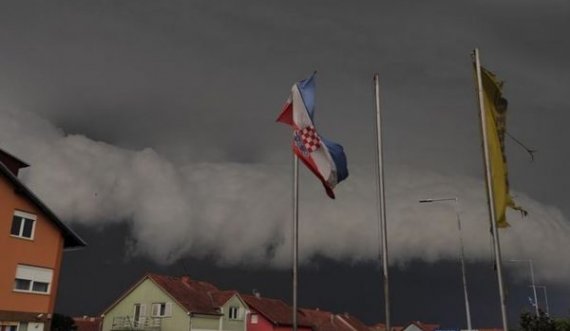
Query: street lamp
pixel 545 297
pixel 462 256
pixel 531 268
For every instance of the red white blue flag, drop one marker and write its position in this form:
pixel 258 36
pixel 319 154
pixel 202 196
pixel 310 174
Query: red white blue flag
pixel 324 158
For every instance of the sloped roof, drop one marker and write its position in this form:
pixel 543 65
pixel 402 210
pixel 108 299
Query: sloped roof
pixel 354 322
pixel 87 323
pixel 424 326
pixel 275 310
pixel 70 238
pixel 11 162
pixel 220 298
pixel 195 296
pixel 382 327
pixel 325 321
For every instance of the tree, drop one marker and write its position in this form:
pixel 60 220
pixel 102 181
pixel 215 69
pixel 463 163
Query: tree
pixel 542 322
pixel 562 324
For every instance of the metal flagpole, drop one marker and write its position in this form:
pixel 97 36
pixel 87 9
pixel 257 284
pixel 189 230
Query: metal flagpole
pixel 545 298
pixel 463 272
pixel 490 193
pixel 380 176
pixel 295 235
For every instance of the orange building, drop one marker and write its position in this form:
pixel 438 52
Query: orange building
pixel 32 240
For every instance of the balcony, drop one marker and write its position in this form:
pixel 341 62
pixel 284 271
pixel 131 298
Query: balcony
pixel 142 323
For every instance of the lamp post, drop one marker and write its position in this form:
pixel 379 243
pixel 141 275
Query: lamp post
pixel 462 255
pixel 545 297
pixel 531 268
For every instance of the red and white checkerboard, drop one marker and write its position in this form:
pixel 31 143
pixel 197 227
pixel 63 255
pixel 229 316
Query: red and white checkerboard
pixel 310 138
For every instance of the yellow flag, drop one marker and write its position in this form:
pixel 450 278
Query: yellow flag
pixel 495 122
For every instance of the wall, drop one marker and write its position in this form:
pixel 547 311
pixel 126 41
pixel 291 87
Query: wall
pixel 230 324
pixel 45 250
pixel 148 293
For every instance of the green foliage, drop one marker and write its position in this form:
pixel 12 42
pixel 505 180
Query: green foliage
pixel 543 322
pixel 562 324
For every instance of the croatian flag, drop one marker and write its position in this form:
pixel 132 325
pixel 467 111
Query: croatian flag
pixel 324 158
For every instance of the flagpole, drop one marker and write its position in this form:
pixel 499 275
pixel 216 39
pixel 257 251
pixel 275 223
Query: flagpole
pixel 490 193
pixel 295 235
pixel 380 177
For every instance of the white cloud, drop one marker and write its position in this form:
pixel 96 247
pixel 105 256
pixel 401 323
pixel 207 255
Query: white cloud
pixel 240 213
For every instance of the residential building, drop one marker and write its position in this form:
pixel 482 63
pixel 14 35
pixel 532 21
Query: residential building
pixel 411 326
pixel 382 327
pixel 326 321
pixel 32 241
pixel 165 303
pixel 86 323
pixel 420 326
pixel 272 315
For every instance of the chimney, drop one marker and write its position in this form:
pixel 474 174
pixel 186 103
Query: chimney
pixel 256 293
pixel 11 162
pixel 185 280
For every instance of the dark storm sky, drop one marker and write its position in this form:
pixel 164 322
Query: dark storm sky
pixel 154 123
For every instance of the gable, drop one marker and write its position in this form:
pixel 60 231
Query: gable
pixel 18 189
pixel 236 301
pixel 145 290
pixel 412 327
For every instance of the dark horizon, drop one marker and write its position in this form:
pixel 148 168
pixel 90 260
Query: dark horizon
pixel 150 129
pixel 437 286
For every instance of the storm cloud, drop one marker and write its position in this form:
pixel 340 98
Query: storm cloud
pixel 239 213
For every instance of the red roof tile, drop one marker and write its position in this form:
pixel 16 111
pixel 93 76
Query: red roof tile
pixel 354 322
pixel 382 327
pixel 275 310
pixel 87 323
pixel 424 326
pixel 194 296
pixel 325 321
pixel 220 298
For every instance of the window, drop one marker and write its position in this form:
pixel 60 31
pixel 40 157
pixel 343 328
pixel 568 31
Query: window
pixel 139 312
pixel 8 326
pixel 234 313
pixel 23 225
pixel 253 318
pixel 32 279
pixel 162 309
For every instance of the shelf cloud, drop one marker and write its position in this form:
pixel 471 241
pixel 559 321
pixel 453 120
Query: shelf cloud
pixel 240 213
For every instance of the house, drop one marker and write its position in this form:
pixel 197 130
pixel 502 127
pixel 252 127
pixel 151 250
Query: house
pixel 165 303
pixel 382 327
pixel 32 241
pixel 326 321
pixel 86 323
pixel 419 326
pixel 272 315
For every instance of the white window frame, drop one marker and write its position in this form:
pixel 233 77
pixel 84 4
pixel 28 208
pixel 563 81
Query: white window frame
pixel 3 325
pixel 234 313
pixel 157 310
pixel 141 318
pixel 25 217
pixel 33 275
pixel 254 318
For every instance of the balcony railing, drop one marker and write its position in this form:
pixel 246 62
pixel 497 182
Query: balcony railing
pixel 142 323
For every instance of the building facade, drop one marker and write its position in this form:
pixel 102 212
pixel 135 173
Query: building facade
pixel 165 303
pixel 32 241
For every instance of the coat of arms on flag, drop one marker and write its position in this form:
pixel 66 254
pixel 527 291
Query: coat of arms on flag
pixel 324 158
